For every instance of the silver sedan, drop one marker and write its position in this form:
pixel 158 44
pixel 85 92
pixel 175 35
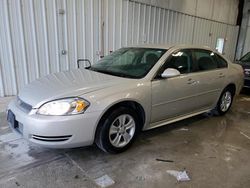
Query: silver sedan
pixel 132 89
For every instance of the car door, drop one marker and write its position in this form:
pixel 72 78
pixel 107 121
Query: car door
pixel 211 76
pixel 175 96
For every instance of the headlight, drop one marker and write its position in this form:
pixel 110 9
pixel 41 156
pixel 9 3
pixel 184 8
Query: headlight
pixel 60 107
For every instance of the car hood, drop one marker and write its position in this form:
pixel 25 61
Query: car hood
pixel 66 84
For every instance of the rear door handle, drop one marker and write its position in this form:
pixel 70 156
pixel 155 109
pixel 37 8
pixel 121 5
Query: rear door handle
pixel 221 75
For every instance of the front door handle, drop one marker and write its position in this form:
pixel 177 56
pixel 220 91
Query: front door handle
pixel 192 82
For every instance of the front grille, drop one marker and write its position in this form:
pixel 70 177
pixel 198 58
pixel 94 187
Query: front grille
pixel 19 128
pixel 51 138
pixel 24 106
pixel 15 125
pixel 247 83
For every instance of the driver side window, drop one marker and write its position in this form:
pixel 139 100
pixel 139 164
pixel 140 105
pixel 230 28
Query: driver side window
pixel 181 61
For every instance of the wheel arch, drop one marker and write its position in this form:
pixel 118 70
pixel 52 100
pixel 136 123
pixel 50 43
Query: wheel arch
pixel 126 103
pixel 232 87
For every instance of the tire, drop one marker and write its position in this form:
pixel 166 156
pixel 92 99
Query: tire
pixel 118 130
pixel 225 102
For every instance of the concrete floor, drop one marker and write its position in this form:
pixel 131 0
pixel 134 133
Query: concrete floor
pixel 215 152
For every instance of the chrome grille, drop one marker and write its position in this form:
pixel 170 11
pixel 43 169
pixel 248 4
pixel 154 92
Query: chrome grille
pixel 247 72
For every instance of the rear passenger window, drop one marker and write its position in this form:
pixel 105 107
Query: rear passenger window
pixel 205 60
pixel 222 63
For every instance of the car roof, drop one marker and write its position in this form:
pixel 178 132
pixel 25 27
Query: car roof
pixel 167 47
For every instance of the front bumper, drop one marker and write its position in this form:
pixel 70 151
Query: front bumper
pixel 55 131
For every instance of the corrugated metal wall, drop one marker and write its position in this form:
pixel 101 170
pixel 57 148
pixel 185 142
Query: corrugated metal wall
pixel 246 47
pixel 139 23
pixel 247 42
pixel 38 37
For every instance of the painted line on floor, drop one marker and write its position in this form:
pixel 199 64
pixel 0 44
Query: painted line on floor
pixel 248 137
pixel 10 174
pixel 88 176
pixel 18 155
pixel 75 163
pixel 245 99
pixel 9 137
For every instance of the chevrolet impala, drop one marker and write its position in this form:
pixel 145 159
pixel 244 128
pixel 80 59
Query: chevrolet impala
pixel 133 89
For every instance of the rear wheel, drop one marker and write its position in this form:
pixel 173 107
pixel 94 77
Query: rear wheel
pixel 225 101
pixel 118 130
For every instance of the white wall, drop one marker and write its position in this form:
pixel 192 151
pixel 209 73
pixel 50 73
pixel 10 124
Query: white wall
pixel 33 33
pixel 225 11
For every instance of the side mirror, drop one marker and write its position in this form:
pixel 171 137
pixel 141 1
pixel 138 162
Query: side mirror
pixel 170 73
pixel 87 63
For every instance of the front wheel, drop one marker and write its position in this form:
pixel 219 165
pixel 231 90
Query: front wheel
pixel 225 101
pixel 118 130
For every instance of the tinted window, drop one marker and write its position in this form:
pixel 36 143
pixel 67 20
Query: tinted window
pixel 182 61
pixel 205 60
pixel 222 63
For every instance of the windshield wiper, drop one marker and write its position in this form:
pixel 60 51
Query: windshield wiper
pixel 112 73
pixel 124 75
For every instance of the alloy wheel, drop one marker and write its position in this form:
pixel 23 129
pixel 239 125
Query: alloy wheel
pixel 226 101
pixel 122 130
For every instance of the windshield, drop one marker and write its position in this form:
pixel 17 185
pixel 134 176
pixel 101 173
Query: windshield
pixel 129 62
pixel 246 58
